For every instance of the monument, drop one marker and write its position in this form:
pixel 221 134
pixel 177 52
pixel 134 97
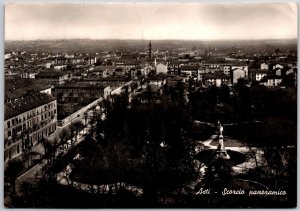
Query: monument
pixel 221 152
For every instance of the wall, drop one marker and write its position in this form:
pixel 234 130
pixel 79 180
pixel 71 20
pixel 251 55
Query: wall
pixel 78 114
pixel 161 68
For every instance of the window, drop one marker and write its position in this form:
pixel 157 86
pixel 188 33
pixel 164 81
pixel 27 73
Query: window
pixel 8 123
pixel 9 133
pixel 19 129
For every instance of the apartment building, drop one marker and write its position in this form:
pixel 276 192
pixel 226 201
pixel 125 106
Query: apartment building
pixel 27 120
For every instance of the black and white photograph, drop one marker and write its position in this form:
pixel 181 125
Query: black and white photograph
pixel 150 105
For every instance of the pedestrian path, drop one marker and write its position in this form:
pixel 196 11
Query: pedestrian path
pixel 254 155
pixel 63 178
pixel 36 170
pixel 208 141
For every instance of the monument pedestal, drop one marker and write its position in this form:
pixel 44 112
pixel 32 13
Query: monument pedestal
pixel 222 154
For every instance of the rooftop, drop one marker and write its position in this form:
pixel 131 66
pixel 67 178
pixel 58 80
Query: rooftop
pixel 25 103
pixel 258 71
pixel 103 68
pixel 128 61
pixel 216 76
pixel 113 78
pixel 81 85
pixel 189 67
pixel 17 87
pixel 52 73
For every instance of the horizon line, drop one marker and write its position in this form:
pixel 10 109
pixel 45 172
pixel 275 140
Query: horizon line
pixel 134 39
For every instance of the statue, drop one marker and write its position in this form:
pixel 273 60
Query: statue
pixel 221 130
pixel 221 142
pixel 221 152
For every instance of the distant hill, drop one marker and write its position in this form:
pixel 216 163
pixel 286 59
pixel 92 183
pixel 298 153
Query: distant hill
pixel 90 45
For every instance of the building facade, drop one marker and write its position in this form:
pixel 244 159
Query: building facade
pixel 72 96
pixel 54 77
pixel 27 120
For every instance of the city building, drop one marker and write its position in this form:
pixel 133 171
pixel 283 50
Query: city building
pixel 189 70
pixel 127 64
pixel 54 77
pixel 217 79
pixel 157 80
pixel 16 88
pixel 27 119
pixel 216 67
pixel 74 95
pixel 264 66
pixel 112 81
pixel 257 74
pixel 150 94
pixel 161 67
pixel 271 80
pixel 238 72
pixel 173 67
pixel 28 73
pixel 103 71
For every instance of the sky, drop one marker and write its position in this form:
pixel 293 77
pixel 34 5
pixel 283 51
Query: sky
pixel 155 21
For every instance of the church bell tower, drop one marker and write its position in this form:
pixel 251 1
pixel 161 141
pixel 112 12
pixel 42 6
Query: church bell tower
pixel 150 50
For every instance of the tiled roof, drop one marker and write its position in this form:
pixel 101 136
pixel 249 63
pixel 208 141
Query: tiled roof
pixel 25 103
pixel 81 84
pixel 103 68
pixel 15 88
pixel 50 73
pixel 114 78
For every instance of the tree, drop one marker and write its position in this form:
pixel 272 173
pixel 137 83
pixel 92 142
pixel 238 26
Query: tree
pixel 106 106
pixel 138 73
pixel 13 170
pixel 278 135
pixel 85 118
pixel 289 80
pixel 50 148
pixel 218 175
pixel 27 145
pixel 76 127
pixel 167 149
pixel 64 135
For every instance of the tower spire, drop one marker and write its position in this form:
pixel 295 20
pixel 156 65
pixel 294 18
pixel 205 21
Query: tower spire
pixel 150 50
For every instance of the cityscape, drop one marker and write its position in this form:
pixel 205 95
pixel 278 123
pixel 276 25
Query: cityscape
pixel 107 110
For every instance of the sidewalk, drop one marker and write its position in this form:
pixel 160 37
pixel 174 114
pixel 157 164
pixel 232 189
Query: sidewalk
pixel 34 171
